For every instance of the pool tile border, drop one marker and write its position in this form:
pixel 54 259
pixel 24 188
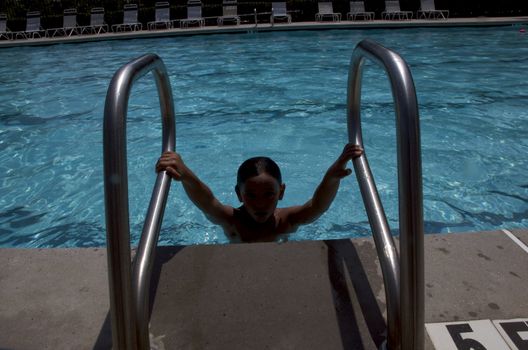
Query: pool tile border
pixel 266 27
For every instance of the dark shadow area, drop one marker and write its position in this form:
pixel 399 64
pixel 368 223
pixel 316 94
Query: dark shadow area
pixel 163 255
pixel 342 254
pixel 104 340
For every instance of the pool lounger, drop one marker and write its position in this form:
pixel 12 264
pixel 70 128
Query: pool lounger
pixel 69 25
pixel 97 23
pixel 162 16
pixel 33 27
pixel 326 10
pixel 278 10
pixel 194 14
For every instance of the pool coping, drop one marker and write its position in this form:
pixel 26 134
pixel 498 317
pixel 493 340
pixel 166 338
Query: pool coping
pixel 267 27
pixel 265 295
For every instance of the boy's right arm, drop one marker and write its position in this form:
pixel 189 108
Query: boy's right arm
pixel 199 193
pixel 326 191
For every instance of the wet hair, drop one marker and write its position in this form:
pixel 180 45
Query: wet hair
pixel 256 166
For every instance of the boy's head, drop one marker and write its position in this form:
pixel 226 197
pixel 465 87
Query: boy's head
pixel 259 187
pixel 256 166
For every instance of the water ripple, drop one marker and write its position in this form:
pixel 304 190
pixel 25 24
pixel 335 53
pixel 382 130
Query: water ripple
pixel 277 94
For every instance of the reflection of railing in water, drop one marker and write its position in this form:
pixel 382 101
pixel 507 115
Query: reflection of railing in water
pixel 129 301
pixel 403 276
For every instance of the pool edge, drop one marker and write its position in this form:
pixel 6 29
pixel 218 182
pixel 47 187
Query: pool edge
pixel 58 297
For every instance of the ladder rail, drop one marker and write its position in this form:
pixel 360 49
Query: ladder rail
pixel 403 275
pixel 129 296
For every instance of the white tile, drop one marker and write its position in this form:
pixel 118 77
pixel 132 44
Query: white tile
pixel 466 335
pixel 514 332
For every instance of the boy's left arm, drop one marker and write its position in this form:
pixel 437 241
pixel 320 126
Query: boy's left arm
pixel 326 191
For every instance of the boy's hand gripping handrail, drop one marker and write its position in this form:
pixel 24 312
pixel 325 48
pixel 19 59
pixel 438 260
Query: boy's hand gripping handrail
pixel 129 296
pixel 403 277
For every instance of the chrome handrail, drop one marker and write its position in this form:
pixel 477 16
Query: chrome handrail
pixel 403 276
pixel 129 297
pixel 129 301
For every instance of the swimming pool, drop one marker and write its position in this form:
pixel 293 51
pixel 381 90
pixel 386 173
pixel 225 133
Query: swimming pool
pixel 277 94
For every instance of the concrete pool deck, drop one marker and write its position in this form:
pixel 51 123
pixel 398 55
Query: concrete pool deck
pixel 297 295
pixel 266 27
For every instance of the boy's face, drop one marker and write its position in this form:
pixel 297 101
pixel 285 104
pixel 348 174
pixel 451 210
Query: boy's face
pixel 260 195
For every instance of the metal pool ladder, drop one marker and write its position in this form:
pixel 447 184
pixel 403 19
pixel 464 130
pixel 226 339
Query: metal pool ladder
pixel 403 278
pixel 129 300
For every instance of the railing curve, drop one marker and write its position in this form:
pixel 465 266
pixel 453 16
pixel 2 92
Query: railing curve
pixel 404 275
pixel 129 296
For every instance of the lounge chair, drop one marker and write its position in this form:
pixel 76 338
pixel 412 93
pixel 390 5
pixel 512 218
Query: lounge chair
pixel 5 33
pixel 130 19
pixel 229 12
pixel 194 14
pixel 357 9
pixel 69 25
pixel 278 11
pixel 392 11
pixel 33 28
pixel 161 16
pixel 97 23
pixel 428 10
pixel 326 10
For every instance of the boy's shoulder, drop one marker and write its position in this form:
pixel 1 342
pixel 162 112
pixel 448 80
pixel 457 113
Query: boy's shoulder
pixel 290 216
pixel 297 215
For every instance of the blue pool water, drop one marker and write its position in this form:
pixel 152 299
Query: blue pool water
pixel 276 94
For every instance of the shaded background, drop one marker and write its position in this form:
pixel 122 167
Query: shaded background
pixel 51 10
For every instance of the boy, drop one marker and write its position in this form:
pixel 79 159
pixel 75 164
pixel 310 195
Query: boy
pixel 259 188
